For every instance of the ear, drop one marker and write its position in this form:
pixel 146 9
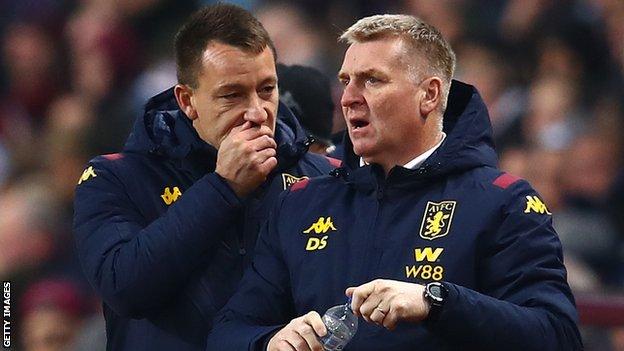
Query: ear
pixel 432 95
pixel 184 95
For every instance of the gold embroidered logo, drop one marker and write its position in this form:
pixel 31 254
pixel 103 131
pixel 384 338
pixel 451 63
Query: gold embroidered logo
pixel 534 204
pixel 289 179
pixel 321 226
pixel 169 196
pixel 428 266
pixel 437 219
pixel 428 254
pixel 86 175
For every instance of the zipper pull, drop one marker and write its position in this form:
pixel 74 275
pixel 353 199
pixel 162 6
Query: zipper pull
pixel 339 172
pixel 423 170
pixel 380 193
pixel 309 141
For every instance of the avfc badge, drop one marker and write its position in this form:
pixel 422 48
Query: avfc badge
pixel 437 219
pixel 291 179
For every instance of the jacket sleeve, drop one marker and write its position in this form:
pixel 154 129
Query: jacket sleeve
pixel 263 302
pixel 526 302
pixel 136 266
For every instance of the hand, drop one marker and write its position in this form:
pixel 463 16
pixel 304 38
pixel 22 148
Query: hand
pixel 246 157
pixel 301 334
pixel 387 302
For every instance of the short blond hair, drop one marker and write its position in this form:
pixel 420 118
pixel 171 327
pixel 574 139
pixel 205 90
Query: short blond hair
pixel 418 35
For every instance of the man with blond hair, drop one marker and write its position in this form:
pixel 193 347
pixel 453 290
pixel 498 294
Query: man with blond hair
pixel 436 248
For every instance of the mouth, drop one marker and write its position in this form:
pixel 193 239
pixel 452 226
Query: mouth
pixel 357 123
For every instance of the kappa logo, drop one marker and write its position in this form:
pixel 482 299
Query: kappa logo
pixel 170 196
pixel 86 175
pixel 534 204
pixel 290 179
pixel 321 226
pixel 437 219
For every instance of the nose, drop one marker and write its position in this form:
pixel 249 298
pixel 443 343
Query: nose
pixel 351 95
pixel 256 113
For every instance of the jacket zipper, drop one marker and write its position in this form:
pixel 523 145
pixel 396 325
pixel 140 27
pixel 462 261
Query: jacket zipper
pixel 240 236
pixel 371 264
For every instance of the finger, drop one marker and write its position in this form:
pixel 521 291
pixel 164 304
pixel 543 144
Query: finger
pixel 296 341
pixel 255 131
pixel 247 131
pixel 349 293
pixel 279 341
pixel 370 304
pixel 316 322
pixel 391 320
pixel 264 129
pixel 360 294
pixel 263 142
pixel 238 129
pixel 267 166
pixel 283 345
pixel 377 316
pixel 310 337
pixel 234 131
pixel 246 125
pixel 259 157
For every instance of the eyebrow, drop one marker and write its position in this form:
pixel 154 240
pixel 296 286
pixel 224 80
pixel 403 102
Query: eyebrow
pixel 270 80
pixel 359 74
pixel 231 86
pixel 239 86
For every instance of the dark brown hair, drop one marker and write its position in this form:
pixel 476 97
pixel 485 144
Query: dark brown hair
pixel 224 23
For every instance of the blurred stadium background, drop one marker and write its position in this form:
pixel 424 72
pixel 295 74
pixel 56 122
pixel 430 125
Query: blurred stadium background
pixel 74 76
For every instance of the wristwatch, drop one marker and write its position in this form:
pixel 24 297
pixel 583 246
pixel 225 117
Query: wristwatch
pixel 435 294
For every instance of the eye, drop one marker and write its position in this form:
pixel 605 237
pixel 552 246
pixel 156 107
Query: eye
pixel 267 89
pixel 230 96
pixel 372 80
pixel 344 81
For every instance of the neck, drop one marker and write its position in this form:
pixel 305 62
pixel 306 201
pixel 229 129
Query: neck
pixel 428 141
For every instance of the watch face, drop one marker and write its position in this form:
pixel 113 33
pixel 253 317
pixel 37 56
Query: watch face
pixel 436 291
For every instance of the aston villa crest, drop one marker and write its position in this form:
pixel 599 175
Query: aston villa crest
pixel 437 220
pixel 289 179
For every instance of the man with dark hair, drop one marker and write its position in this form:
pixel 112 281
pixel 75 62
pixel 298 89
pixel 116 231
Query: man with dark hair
pixel 225 24
pixel 165 228
pixel 436 248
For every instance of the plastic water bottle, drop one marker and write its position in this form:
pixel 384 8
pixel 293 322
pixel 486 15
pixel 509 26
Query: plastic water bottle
pixel 341 326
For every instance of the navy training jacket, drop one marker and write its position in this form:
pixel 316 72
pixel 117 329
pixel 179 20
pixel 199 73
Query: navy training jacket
pixel 162 238
pixel 457 219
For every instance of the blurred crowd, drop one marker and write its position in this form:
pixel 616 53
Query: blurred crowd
pixel 75 74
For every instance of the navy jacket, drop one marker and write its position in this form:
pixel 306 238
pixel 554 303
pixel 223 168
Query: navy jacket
pixel 457 219
pixel 162 238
